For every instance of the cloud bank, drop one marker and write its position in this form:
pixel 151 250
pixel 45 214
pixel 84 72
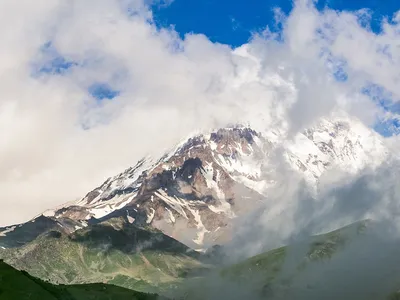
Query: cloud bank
pixel 60 137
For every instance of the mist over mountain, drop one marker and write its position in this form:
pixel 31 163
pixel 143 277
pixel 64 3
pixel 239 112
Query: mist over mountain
pixel 201 213
pixel 147 161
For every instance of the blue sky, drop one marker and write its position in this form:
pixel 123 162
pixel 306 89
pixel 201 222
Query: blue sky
pixel 232 22
pixel 92 75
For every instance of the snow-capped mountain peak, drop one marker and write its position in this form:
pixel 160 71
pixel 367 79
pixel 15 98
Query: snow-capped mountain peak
pixel 194 191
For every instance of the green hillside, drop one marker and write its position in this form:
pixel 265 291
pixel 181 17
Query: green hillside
pixel 351 263
pixel 113 252
pixel 355 260
pixel 17 285
pixel 298 256
pixel 273 273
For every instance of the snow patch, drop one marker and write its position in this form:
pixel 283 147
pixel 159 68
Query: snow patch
pixel 179 205
pixel 150 217
pixel 49 213
pixel 128 178
pixel 213 145
pixel 8 230
pixel 166 167
pixel 208 173
pixel 224 206
pixel 100 211
pixel 171 215
pixel 174 202
pixel 130 219
pixel 200 226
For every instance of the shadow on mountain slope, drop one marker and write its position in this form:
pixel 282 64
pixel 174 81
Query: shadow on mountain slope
pixel 19 285
pixel 113 251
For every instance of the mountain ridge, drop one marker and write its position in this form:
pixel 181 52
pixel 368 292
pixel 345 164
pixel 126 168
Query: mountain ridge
pixel 195 191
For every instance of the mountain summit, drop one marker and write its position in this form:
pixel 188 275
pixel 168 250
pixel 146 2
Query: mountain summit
pixel 195 191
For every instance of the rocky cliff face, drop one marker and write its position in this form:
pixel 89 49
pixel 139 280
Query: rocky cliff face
pixel 191 194
pixel 195 191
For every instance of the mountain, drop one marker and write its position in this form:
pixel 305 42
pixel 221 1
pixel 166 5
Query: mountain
pixel 196 191
pixel 19 285
pixel 189 194
pixel 137 229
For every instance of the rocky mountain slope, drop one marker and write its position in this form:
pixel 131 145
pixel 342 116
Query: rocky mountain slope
pixel 195 191
pixel 137 230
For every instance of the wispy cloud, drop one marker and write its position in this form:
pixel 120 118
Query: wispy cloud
pixel 58 142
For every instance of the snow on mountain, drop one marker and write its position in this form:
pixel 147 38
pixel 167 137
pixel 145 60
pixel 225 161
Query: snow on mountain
pixel 342 143
pixel 198 185
pixel 195 191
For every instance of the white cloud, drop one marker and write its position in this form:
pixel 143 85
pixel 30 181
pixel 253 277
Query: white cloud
pixel 169 87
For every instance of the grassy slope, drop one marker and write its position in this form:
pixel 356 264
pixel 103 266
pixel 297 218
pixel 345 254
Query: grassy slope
pixel 318 248
pixel 278 267
pixel 17 285
pixel 114 252
pixel 109 253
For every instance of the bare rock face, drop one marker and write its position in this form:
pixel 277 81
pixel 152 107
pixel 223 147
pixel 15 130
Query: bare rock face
pixel 191 194
pixel 195 192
